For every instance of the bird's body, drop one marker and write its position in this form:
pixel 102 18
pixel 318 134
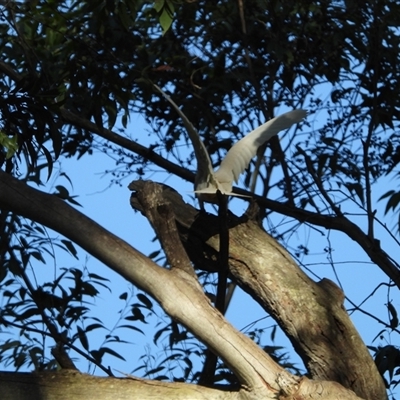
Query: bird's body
pixel 207 180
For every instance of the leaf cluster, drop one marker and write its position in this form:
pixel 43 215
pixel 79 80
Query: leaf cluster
pixel 229 69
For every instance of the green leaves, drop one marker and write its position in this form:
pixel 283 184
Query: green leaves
pixel 9 144
pixel 94 58
pixel 387 359
pixel 57 303
pixel 63 193
pixel 392 204
pixel 165 10
pixel 393 201
pixel 28 127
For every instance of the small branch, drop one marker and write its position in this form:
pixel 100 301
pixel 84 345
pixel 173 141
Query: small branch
pixel 368 199
pixel 318 182
pixel 367 143
pixel 62 357
pixel 223 252
pixel 64 342
pixel 210 364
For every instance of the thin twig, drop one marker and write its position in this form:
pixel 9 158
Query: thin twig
pixel 223 252
pixel 318 182
pixel 210 364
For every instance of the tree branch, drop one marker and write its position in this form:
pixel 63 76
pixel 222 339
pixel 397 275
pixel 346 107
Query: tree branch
pixel 208 373
pixel 67 385
pixel 311 314
pixel 159 212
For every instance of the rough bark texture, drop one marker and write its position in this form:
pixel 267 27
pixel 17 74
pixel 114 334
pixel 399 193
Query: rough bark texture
pixel 311 314
pixel 72 385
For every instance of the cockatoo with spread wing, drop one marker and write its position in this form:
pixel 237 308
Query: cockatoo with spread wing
pixel 208 181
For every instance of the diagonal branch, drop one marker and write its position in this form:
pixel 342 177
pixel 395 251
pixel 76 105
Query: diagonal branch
pixel 158 211
pixel 148 154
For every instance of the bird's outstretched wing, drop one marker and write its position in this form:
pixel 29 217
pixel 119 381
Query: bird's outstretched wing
pixel 236 161
pixel 239 156
pixel 205 171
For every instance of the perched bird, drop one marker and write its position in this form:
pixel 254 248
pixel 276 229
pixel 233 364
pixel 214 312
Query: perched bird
pixel 208 181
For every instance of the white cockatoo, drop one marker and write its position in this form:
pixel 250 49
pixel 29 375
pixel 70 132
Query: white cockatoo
pixel 208 181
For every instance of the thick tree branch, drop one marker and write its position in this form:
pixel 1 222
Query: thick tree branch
pixel 67 385
pixel 158 211
pixel 311 314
